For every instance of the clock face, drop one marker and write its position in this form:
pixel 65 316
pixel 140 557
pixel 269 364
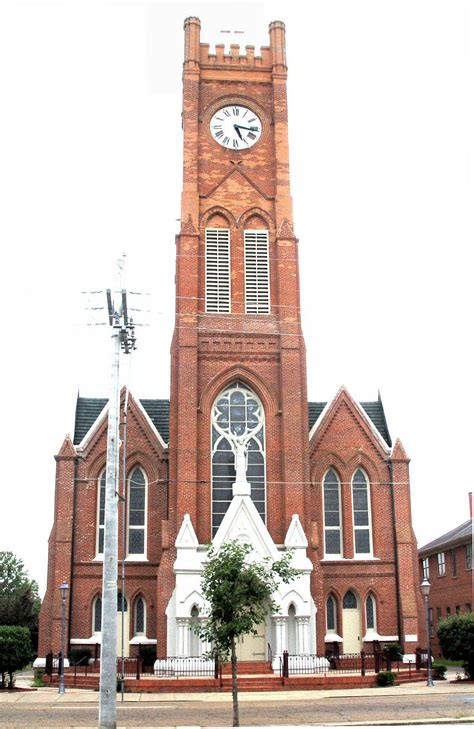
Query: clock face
pixel 236 127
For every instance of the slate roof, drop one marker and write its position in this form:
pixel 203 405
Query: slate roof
pixel 459 535
pixel 374 410
pixel 88 410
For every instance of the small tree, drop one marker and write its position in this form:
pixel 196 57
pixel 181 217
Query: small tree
pixel 19 599
pixel 239 593
pixel 15 651
pixel 456 639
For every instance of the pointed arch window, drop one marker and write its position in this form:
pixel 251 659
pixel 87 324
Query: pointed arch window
pixel 332 515
pixel 349 601
pixel 137 514
pixel 361 514
pixel 140 616
pixel 331 614
pixel 100 514
pixel 370 612
pixel 237 413
pixel 217 270
pixel 97 615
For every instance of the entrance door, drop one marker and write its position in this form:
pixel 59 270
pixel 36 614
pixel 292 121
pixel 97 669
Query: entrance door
pixel 351 623
pixel 252 647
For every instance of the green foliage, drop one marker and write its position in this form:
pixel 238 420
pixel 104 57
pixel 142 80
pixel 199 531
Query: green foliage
pixel 456 639
pixel 439 670
pixel 385 678
pixel 19 600
pixel 148 654
pixel 38 681
pixel 15 651
pixel 393 651
pixel 239 593
pixel 79 656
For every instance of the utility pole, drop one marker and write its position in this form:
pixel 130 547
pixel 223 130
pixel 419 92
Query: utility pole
pixel 123 338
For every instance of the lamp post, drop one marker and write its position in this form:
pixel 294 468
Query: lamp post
pixel 64 587
pixel 425 589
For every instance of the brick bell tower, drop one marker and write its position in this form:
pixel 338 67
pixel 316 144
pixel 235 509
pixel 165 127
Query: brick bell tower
pixel 237 304
pixel 237 286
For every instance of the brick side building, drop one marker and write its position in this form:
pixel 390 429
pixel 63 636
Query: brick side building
pixel 237 451
pixel 447 563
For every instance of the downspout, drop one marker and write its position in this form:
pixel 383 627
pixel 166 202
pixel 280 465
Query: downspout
pixel 397 567
pixel 73 546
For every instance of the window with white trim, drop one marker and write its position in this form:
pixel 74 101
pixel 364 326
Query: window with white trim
pixel 370 612
pixel 218 270
pixel 237 413
pixel 361 514
pixel 137 512
pixel 100 514
pixel 140 616
pixel 331 614
pixel 97 615
pixel 332 515
pixel 441 564
pixel 257 272
pixel 426 568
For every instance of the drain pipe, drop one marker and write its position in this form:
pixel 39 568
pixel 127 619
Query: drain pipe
pixel 401 637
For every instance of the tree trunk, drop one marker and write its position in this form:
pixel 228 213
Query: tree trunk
pixel 235 695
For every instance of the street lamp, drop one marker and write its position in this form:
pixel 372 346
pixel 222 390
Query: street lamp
pixel 64 587
pixel 425 589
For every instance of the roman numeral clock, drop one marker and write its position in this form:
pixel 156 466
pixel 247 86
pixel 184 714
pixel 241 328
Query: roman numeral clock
pixel 236 127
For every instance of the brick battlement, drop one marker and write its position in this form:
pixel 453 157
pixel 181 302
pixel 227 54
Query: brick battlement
pixel 234 58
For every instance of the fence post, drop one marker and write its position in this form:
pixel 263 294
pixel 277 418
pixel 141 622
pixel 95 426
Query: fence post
pixel 409 669
pixel 48 669
pixel 60 663
pixel 362 663
pixel 286 672
pixel 138 668
pixel 418 659
pixel 377 662
pixel 216 666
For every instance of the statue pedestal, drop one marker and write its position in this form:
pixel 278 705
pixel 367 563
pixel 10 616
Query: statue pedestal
pixel 241 488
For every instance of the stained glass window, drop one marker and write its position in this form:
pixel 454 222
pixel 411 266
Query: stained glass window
pixel 332 514
pixel 237 413
pixel 361 513
pixel 136 513
pixel 101 514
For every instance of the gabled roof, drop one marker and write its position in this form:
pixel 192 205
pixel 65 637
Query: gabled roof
pixel 374 410
pixel 460 534
pixel 88 410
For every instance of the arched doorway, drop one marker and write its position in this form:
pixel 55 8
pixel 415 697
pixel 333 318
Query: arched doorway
pixel 351 633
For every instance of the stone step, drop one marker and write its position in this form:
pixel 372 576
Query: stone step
pixel 248 667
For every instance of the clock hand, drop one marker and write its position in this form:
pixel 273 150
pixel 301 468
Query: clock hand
pixel 236 127
pixel 250 129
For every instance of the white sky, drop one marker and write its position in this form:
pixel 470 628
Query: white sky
pixel 381 118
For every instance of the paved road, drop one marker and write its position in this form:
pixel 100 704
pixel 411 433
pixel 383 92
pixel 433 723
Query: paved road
pixel 49 711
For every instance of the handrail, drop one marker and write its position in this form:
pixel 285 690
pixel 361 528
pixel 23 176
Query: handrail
pixel 269 653
pixel 84 658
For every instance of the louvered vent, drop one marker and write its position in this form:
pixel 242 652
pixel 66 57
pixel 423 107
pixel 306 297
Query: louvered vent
pixel 257 272
pixel 218 270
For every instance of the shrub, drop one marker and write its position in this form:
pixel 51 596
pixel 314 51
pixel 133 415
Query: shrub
pixel 15 651
pixel 393 651
pixel 456 638
pixel 148 654
pixel 79 656
pixel 385 678
pixel 439 670
pixel 38 681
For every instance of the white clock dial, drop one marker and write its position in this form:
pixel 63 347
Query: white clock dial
pixel 236 127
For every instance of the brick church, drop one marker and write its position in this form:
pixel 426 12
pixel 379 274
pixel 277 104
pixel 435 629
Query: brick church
pixel 238 452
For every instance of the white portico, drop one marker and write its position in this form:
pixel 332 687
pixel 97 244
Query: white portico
pixel 291 628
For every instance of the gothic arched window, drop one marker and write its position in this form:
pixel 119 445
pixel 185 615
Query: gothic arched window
pixel 100 514
pixel 370 612
pixel 137 513
pixel 237 414
pixel 332 515
pixel 361 514
pixel 350 601
pixel 97 615
pixel 140 616
pixel 331 614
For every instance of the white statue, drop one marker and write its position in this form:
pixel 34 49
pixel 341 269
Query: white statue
pixel 240 460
